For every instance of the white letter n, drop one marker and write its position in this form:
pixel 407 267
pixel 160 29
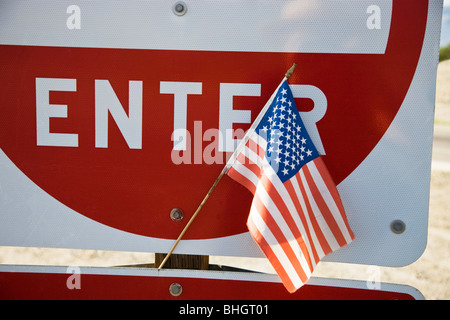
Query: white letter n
pixel 130 126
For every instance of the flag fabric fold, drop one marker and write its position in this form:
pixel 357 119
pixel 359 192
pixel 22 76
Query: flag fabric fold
pixel 296 216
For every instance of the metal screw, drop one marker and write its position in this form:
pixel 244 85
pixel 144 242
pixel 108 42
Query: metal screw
pixel 176 214
pixel 398 226
pixel 175 289
pixel 179 8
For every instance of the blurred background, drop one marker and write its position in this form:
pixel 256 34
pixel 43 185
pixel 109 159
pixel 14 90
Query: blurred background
pixel 430 274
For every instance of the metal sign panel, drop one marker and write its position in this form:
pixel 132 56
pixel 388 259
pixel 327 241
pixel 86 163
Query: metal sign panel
pixel 50 282
pixel 114 113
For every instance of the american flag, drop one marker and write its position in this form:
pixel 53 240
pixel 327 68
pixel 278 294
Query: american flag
pixel 296 216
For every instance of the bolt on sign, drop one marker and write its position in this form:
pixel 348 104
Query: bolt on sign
pixel 115 113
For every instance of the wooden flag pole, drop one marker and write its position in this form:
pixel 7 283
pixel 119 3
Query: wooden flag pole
pixel 288 75
pixel 290 71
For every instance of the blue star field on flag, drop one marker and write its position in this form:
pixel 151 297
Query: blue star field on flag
pixel 289 146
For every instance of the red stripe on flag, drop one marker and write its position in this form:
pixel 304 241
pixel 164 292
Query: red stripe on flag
pixel 326 177
pixel 268 252
pixel 237 176
pixel 322 240
pixel 323 207
pixel 242 179
pixel 294 197
pixel 272 224
pixel 256 147
pixel 287 215
pixel 249 164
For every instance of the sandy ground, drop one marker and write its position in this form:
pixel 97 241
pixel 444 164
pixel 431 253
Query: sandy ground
pixel 430 274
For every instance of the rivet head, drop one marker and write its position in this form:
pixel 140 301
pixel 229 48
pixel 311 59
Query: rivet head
pixel 398 226
pixel 175 289
pixel 179 8
pixel 176 214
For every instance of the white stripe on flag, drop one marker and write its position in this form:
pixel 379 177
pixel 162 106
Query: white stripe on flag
pixel 328 198
pixel 275 246
pixel 314 239
pixel 285 196
pixel 265 198
pixel 320 219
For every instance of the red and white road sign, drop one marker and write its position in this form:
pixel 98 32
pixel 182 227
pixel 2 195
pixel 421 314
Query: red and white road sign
pixel 51 282
pixel 113 114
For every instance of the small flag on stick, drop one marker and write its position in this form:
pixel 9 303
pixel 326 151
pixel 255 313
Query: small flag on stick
pixel 296 216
